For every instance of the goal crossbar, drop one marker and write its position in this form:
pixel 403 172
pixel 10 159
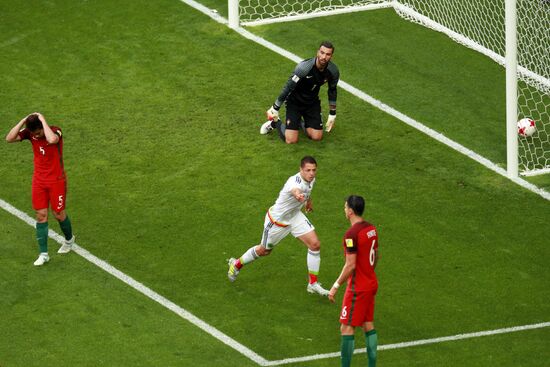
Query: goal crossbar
pixel 317 13
pixel 507 36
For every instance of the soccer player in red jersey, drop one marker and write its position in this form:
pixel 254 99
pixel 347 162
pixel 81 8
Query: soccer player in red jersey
pixel 361 251
pixel 49 185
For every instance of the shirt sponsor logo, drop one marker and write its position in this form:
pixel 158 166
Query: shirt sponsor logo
pixel 371 233
pixel 349 242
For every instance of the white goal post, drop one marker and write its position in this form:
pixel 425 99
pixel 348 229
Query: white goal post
pixel 513 33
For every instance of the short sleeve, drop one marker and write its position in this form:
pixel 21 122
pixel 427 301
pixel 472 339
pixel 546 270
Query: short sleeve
pixel 24 134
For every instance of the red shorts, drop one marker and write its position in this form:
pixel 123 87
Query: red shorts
pixel 53 193
pixel 357 308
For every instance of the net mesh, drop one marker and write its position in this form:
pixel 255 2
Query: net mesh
pixel 255 10
pixel 479 25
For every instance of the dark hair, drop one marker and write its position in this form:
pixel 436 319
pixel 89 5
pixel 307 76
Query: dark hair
pixel 356 203
pixel 308 159
pixel 327 44
pixel 33 123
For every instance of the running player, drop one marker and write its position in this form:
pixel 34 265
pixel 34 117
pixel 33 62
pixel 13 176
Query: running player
pixel 286 217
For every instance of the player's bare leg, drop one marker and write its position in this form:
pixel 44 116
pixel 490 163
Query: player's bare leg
pixel 314 134
pixel 41 215
pixel 291 136
pixel 313 244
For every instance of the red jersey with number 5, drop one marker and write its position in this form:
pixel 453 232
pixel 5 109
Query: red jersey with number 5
pixel 362 239
pixel 48 158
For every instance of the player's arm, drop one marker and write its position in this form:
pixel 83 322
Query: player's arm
pixel 51 137
pixel 301 70
pixel 298 194
pixel 273 111
pixel 13 135
pixel 309 205
pixel 347 270
pixel 332 96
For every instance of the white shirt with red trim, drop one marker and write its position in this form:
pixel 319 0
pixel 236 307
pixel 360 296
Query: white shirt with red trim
pixel 286 206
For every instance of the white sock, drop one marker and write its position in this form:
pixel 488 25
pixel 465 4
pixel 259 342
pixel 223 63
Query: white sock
pixel 249 256
pixel 313 261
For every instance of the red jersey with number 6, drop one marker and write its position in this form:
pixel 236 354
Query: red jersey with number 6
pixel 362 239
pixel 48 158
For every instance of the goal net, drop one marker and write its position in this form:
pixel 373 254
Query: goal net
pixel 479 25
pixel 254 12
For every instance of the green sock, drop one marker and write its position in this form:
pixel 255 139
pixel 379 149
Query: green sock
pixel 42 236
pixel 372 344
pixel 346 349
pixel 66 228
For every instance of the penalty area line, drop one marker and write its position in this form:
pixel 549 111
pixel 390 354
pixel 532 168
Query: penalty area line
pixel 148 292
pixel 245 351
pixel 415 343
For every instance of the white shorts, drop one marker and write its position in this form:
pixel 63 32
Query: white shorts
pixel 274 233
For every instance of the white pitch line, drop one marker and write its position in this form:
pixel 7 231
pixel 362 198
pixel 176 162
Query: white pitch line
pixel 415 343
pixel 143 289
pixel 380 105
pixel 404 118
pixel 247 352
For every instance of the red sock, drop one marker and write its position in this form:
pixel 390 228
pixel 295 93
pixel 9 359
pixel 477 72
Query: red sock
pixel 312 278
pixel 238 264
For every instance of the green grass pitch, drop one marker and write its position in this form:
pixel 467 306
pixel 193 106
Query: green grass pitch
pixel 168 177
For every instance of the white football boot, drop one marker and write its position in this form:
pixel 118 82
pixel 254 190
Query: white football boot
pixel 266 128
pixel 316 288
pixel 233 271
pixel 67 246
pixel 42 259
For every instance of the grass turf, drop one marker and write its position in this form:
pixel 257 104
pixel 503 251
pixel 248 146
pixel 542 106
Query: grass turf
pixel 168 177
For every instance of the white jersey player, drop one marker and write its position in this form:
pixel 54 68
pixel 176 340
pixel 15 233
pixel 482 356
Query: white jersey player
pixel 287 206
pixel 285 217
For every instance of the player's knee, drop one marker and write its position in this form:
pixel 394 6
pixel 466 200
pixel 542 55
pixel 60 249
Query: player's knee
pixel 346 329
pixel 41 216
pixel 60 216
pixel 262 251
pixel 315 246
pixel 291 140
pixel 316 137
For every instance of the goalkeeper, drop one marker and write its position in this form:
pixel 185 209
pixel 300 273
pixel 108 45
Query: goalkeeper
pixel 301 96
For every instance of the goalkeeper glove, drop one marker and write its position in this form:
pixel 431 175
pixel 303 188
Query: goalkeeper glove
pixel 273 113
pixel 330 121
